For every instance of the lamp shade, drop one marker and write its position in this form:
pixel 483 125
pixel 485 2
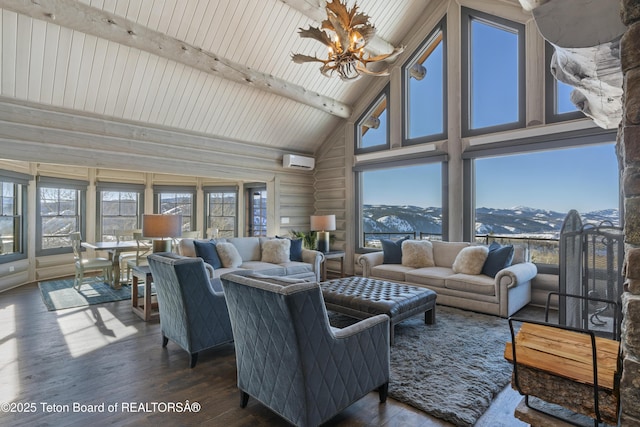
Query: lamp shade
pixel 323 222
pixel 156 225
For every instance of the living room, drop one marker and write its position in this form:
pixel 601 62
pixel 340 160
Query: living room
pixel 148 136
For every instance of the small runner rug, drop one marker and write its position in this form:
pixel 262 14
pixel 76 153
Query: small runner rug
pixel 60 294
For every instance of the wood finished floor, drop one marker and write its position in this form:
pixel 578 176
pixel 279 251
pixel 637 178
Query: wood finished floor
pixel 106 354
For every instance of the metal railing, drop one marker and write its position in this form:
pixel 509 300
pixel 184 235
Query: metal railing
pixel 540 250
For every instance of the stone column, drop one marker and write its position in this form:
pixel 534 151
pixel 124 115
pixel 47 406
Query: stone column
pixel 629 152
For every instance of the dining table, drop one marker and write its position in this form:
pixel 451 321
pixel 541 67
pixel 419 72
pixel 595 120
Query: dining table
pixel 114 249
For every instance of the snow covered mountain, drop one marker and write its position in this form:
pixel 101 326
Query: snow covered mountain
pixel 514 221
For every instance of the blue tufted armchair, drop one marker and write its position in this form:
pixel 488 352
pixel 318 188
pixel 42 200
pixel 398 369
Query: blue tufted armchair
pixel 291 360
pixel 193 310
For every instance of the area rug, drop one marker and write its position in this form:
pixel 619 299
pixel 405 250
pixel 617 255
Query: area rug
pixel 451 370
pixel 60 294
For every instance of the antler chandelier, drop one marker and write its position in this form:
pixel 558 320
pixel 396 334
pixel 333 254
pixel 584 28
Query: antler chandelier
pixel 352 31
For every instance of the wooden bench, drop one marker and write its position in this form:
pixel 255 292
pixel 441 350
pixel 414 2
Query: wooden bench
pixel 557 365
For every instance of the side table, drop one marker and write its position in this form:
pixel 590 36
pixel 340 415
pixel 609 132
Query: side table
pixel 333 255
pixel 147 309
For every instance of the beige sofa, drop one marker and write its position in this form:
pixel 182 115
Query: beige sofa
pixel 250 250
pixel 503 295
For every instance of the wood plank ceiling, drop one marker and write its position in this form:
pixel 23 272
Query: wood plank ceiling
pixel 150 61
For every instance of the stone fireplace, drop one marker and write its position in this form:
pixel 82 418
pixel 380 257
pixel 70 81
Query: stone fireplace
pixel 608 83
pixel 629 155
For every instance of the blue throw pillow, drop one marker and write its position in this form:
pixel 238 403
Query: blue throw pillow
pixel 392 250
pixel 295 252
pixel 207 251
pixel 499 257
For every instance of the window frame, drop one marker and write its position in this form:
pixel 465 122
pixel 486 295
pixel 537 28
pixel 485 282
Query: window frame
pixel 570 139
pixel 119 188
pixel 175 189
pixel 383 95
pixel 80 187
pixel 249 208
pixel 20 182
pixel 551 114
pixel 208 190
pixel 415 161
pixel 424 50
pixel 467 17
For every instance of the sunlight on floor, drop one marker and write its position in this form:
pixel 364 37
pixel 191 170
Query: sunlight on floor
pixel 9 381
pixel 90 329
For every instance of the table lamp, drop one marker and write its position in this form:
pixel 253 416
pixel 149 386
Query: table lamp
pixel 158 227
pixel 323 224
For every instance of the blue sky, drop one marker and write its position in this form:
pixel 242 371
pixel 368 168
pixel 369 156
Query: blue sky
pixel 583 178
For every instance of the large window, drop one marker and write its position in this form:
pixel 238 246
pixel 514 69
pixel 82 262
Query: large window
pixel 425 84
pixel 256 205
pixel 398 200
pixel 13 211
pixel 525 197
pixel 177 200
pixel 558 104
pixel 372 128
pixel 60 210
pixel 493 74
pixel 120 207
pixel 221 211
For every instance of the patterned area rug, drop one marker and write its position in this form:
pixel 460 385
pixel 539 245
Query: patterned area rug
pixel 60 294
pixel 451 370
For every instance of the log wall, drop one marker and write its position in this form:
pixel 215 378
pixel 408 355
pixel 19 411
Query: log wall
pixel 40 140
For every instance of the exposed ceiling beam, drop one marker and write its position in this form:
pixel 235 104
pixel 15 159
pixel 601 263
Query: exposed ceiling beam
pixel 86 19
pixel 315 10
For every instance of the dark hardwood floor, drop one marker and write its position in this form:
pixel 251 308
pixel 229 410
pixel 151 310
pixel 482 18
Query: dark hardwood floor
pixel 104 354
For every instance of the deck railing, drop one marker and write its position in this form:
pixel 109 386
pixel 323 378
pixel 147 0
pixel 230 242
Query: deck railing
pixel 541 250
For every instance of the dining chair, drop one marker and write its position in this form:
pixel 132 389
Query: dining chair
pixel 83 265
pixel 175 242
pixel 213 233
pixel 144 247
pixel 125 236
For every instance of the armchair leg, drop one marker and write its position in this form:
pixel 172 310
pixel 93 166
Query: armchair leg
pixel 244 399
pixel 165 341
pixel 194 360
pixel 383 391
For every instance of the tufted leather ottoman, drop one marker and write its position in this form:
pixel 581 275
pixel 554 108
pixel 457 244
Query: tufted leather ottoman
pixel 363 297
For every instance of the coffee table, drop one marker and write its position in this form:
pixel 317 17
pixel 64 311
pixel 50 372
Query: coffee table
pixel 363 297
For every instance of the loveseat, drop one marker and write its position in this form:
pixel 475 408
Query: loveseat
pixel 494 280
pixel 264 255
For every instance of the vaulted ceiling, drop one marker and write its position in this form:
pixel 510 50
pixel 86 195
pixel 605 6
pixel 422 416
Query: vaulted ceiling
pixel 221 68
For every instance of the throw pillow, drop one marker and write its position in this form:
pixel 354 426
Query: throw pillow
pixel 276 251
pixel 417 253
pixel 470 260
pixel 295 252
pixel 392 250
pixel 499 257
pixel 228 254
pixel 207 251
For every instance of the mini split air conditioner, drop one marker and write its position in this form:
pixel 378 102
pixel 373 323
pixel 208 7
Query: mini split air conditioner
pixel 295 161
